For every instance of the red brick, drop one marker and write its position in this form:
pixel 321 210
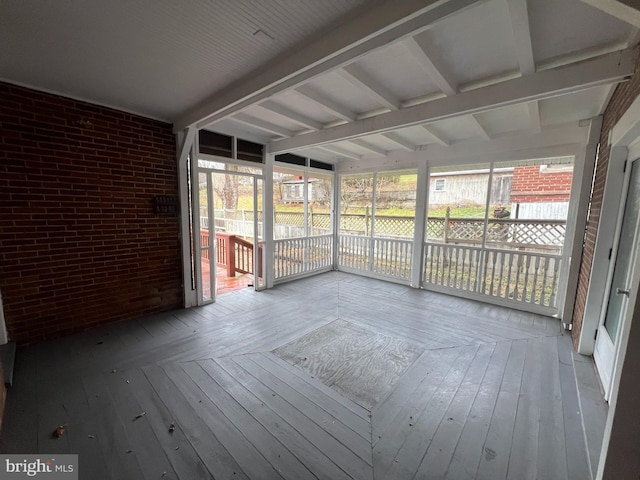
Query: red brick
pixel 81 246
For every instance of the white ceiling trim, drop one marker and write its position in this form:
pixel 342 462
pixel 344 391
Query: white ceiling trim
pixel 522 34
pixel 398 140
pixel 373 28
pixel 369 147
pixel 561 141
pixel 436 136
pixel 534 116
pixel 437 72
pixel 524 51
pixel 340 151
pixel 361 79
pixel 290 114
pixel 620 10
pixel 325 103
pixel 603 70
pixel 419 49
pixel 262 125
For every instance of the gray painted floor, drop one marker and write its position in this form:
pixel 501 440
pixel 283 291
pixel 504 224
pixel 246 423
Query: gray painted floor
pixel 332 377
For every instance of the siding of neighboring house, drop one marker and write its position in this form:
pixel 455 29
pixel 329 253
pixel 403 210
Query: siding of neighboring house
pixel 624 95
pixel 80 243
pixel 469 189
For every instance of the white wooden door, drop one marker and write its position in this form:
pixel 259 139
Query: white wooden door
pixel 608 335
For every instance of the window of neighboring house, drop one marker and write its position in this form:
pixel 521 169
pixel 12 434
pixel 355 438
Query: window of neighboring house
pixel 439 185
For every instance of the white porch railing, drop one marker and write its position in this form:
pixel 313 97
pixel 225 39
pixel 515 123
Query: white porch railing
pixel 389 257
pixel 514 276
pixel 296 256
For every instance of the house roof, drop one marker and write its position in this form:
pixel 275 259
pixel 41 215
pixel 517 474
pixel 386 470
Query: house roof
pixel 337 80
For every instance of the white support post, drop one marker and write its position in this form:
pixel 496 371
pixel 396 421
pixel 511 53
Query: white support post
pixel 583 169
pixel 195 225
pixel 335 218
pixel 185 141
pixel 420 224
pixel 267 222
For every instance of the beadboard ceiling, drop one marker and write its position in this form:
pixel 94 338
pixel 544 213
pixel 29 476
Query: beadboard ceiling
pixel 338 80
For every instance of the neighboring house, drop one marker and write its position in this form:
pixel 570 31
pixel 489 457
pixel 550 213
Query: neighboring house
pixel 469 187
pixel 541 191
pixel 293 191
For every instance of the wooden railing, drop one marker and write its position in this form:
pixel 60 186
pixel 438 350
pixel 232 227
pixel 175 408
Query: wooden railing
pixel 514 276
pixel 232 252
pixel 389 257
pixel 297 256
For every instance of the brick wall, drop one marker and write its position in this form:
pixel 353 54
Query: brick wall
pixel 80 245
pixel 533 185
pixel 622 98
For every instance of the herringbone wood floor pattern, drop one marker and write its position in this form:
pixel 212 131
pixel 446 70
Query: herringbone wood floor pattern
pixel 483 392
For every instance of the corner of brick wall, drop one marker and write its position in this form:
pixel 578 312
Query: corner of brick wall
pixel 81 245
pixel 623 97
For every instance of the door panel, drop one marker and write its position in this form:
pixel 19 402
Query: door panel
pixel 608 332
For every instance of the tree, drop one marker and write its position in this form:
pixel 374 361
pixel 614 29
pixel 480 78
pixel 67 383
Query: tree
pixel 226 188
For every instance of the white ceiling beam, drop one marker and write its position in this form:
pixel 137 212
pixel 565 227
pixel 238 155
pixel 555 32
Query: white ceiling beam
pixel 369 29
pixel 534 116
pixel 480 128
pixel 622 10
pixel 361 79
pixel 434 69
pixel 561 141
pixel 522 35
pixel 290 114
pixel 524 51
pixel 369 146
pixel 604 70
pixel 436 136
pixel 262 125
pixel 326 103
pixel 397 139
pixel 513 143
pixel 340 151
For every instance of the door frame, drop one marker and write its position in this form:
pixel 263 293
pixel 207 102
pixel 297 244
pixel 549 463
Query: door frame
pixel 210 172
pixel 604 346
pixel 624 141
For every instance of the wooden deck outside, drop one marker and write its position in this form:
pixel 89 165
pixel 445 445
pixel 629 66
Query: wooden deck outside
pixel 332 377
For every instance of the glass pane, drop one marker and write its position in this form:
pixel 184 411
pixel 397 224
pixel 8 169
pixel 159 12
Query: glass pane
pixel 288 203
pixel 234 230
pixel 395 205
pixel 625 251
pixel 356 195
pixel 205 260
pixel 456 209
pixel 529 205
pixel 319 207
pixel 259 279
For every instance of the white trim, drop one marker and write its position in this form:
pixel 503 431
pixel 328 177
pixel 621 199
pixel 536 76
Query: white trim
pixel 627 130
pixel 267 222
pixel 583 168
pixel 598 289
pixel 185 148
pixel 603 70
pixel 618 9
pixel 420 225
pixel 361 79
pixel 372 28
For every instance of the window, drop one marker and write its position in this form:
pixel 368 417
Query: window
pixel 439 185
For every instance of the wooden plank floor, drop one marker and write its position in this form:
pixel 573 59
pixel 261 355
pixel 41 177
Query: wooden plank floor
pixel 425 386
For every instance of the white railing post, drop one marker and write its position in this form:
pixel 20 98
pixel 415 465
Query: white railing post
pixel 420 225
